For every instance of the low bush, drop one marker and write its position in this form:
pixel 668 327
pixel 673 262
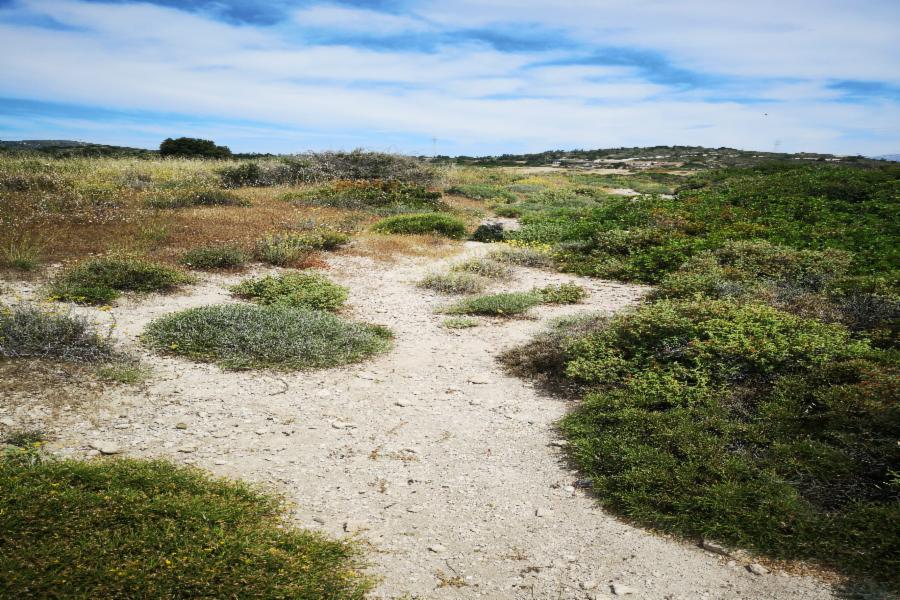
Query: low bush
pixel 498 305
pixel 737 422
pixel 101 280
pixel 240 336
pixel 523 256
pixel 123 371
pixel 27 331
pixel 25 438
pixel 149 529
pixel 363 195
pixel 291 249
pixel 214 257
pixel 423 223
pixel 488 233
pixel 324 239
pixel 306 290
pixel 283 249
pixel 460 323
pixel 187 197
pixel 563 293
pixel 454 283
pixel 484 267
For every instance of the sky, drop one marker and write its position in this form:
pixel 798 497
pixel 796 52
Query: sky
pixel 455 77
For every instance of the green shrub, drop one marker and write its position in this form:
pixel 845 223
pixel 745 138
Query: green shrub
pixel 293 248
pixel 730 342
pixel 510 211
pixel 283 249
pixel 187 197
pixel 192 148
pixel 454 283
pixel 306 290
pixel 563 293
pixel 488 233
pixel 149 529
pixel 523 257
pixel 101 280
pixel 214 257
pixel 27 331
pixel 367 195
pixel 240 336
pixel 25 438
pixel 436 223
pixel 324 239
pixel 460 323
pixel 484 267
pixel 736 422
pixel 503 304
pixel 244 174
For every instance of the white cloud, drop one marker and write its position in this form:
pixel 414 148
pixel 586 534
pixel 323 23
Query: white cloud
pixel 472 97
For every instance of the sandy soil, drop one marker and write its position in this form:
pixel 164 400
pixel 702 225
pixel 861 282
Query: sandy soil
pixel 443 464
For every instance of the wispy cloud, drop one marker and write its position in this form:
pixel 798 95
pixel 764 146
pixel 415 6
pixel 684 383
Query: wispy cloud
pixel 481 75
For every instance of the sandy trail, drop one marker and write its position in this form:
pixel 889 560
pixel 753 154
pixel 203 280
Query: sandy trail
pixel 429 452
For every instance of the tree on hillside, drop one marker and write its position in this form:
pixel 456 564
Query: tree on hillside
pixel 195 147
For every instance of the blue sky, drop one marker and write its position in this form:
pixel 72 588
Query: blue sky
pixel 458 77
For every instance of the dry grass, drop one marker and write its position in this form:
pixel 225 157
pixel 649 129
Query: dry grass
pixel 388 247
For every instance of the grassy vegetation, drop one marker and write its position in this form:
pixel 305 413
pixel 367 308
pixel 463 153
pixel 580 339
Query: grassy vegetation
pixel 305 290
pixel 372 194
pixel 460 323
pixel 483 267
pixel 292 249
pixel 436 223
pixel 562 293
pixel 813 208
pixel 149 529
pixel 523 256
pixel 188 197
pixel 753 399
pixel 504 304
pixel 238 336
pixel 454 283
pixel 23 252
pixel 214 257
pixel 28 331
pixel 103 279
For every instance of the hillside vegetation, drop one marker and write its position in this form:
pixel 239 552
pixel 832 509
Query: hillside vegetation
pixel 754 398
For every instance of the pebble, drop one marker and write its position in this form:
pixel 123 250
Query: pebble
pixel 415 509
pixel 261 431
pixel 475 402
pixel 181 426
pixel 105 447
pixel 714 547
pixel 757 569
pixel 353 526
pixel 7 422
pixel 187 449
pixel 403 403
pixel 436 548
pixel 342 425
pixel 622 590
pixel 588 585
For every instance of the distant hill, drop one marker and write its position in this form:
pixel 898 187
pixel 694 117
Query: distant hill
pixel 891 157
pixel 664 157
pixel 69 148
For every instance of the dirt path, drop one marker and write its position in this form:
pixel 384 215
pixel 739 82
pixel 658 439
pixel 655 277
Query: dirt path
pixel 442 463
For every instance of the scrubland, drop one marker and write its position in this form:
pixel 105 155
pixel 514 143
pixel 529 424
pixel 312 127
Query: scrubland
pixel 750 399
